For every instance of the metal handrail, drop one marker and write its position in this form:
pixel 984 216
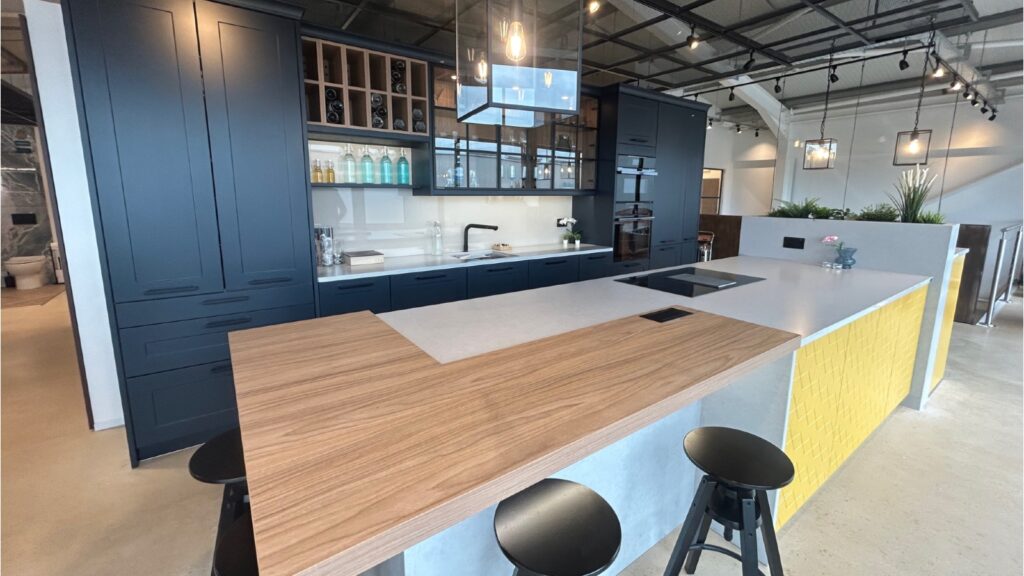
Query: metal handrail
pixel 994 294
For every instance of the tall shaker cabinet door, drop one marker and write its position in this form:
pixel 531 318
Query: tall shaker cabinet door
pixel 251 75
pixel 694 123
pixel 143 98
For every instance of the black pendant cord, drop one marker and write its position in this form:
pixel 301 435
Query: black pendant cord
pixel 828 90
pixel 949 143
pixel 924 78
pixel 853 137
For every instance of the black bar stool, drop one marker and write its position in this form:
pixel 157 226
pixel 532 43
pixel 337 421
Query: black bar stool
pixel 739 468
pixel 236 551
pixel 221 461
pixel 557 528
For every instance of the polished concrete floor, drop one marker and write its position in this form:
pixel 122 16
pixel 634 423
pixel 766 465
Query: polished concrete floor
pixel 932 493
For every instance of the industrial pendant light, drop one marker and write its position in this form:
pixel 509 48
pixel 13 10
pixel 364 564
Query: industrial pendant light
pixel 820 154
pixel 514 63
pixel 912 147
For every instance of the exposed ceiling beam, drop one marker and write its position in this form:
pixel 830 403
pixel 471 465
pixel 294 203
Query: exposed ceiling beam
pixel 972 11
pixel 679 13
pixel 837 21
pixel 352 16
pixel 625 31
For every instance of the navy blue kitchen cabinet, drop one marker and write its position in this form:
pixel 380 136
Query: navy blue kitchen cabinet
pixel 553 271
pixel 141 83
pixel 195 132
pixel 666 256
pixel 637 125
pixel 254 107
pixel 491 279
pixel 688 252
pixel 342 297
pixel 669 186
pixel 427 288
pixel 692 160
pixel 160 347
pixel 596 265
pixel 629 267
pixel 178 408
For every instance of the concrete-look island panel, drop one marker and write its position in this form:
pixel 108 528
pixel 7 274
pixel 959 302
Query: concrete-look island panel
pixel 366 437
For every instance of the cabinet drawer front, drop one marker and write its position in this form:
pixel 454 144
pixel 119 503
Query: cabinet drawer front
pixel 665 256
pixel 629 267
pixel 595 265
pixel 373 294
pixel 172 309
pixel 497 279
pixel 149 349
pixel 182 406
pixel 427 288
pixel 552 271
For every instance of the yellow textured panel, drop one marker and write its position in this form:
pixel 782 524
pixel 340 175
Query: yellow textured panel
pixel 844 385
pixel 942 354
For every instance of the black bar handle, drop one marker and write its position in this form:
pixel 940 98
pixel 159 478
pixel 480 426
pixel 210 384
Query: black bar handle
pixel 502 269
pixel 228 300
pixel 598 257
pixel 631 264
pixel 431 277
pixel 174 290
pixel 355 286
pixel 278 280
pixel 555 262
pixel 220 369
pixel 229 322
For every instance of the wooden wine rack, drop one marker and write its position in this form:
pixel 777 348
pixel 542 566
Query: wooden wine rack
pixel 358 75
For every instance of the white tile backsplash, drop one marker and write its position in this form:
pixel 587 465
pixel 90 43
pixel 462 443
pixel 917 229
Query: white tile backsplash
pixel 395 222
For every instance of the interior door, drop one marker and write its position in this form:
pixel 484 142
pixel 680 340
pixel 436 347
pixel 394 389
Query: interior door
pixel 253 100
pixel 143 98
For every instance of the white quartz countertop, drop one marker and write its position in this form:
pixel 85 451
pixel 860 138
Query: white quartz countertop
pixel 420 263
pixel 800 298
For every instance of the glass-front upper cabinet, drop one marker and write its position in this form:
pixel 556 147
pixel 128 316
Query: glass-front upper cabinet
pixel 558 154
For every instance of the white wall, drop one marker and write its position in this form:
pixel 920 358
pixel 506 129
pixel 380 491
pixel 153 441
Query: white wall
pixel 749 165
pixel 71 188
pixel 864 173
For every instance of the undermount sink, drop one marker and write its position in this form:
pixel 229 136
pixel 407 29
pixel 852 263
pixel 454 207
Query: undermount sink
pixel 480 255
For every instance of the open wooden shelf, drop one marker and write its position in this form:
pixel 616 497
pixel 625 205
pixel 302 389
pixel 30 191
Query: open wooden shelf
pixel 357 76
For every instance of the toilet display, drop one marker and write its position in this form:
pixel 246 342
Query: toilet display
pixel 27 271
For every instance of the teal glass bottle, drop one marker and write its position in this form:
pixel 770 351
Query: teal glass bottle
pixel 348 173
pixel 403 170
pixel 386 177
pixel 367 166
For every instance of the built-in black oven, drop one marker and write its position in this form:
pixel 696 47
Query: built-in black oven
pixel 633 223
pixel 633 175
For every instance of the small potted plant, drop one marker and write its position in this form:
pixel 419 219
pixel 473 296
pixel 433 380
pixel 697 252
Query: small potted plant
pixel 569 235
pixel 844 254
pixel 577 236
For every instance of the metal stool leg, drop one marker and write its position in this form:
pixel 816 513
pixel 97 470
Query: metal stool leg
pixel 771 545
pixel 748 538
pixel 702 536
pixel 698 509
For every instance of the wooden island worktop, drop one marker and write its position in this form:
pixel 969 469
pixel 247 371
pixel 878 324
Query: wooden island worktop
pixel 358 444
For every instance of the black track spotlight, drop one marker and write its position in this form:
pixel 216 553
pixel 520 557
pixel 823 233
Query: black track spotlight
pixel 992 116
pixel 709 124
pixel 750 63
pixel 956 84
pixel 967 93
pixel 974 100
pixel 903 62
pixel 940 70
pixel 778 87
pixel 984 108
pixel 757 132
pixel 833 77
pixel 692 40
pixel 732 94
pixel 739 129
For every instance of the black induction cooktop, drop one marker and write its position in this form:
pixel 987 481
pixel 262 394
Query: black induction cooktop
pixel 690 281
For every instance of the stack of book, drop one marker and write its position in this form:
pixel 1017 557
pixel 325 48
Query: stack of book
pixel 363 257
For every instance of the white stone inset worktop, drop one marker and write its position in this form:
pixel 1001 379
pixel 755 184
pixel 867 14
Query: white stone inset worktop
pixel 421 263
pixel 800 298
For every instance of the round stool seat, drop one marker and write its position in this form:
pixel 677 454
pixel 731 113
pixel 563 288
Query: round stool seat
pixel 558 528
pixel 220 460
pixel 235 553
pixel 738 458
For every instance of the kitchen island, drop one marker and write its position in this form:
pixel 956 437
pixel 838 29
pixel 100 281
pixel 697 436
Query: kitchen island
pixel 368 436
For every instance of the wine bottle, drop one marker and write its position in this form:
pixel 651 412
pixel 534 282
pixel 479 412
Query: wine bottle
pixel 377 121
pixel 419 126
pixel 329 176
pixel 398 64
pixel 333 117
pixel 348 165
pixel 398 87
pixel 318 174
pixel 331 94
pixel 385 169
pixel 395 75
pixel 338 106
pixel 403 169
pixel 399 124
pixel 417 114
pixel 376 100
pixel 367 166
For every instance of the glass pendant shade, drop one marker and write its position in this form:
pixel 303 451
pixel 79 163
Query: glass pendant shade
pixel 820 154
pixel 912 148
pixel 517 59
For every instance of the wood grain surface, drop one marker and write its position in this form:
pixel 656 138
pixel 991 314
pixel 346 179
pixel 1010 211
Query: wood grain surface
pixel 358 445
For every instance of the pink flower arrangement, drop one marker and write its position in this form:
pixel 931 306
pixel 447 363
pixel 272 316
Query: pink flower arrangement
pixel 833 241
